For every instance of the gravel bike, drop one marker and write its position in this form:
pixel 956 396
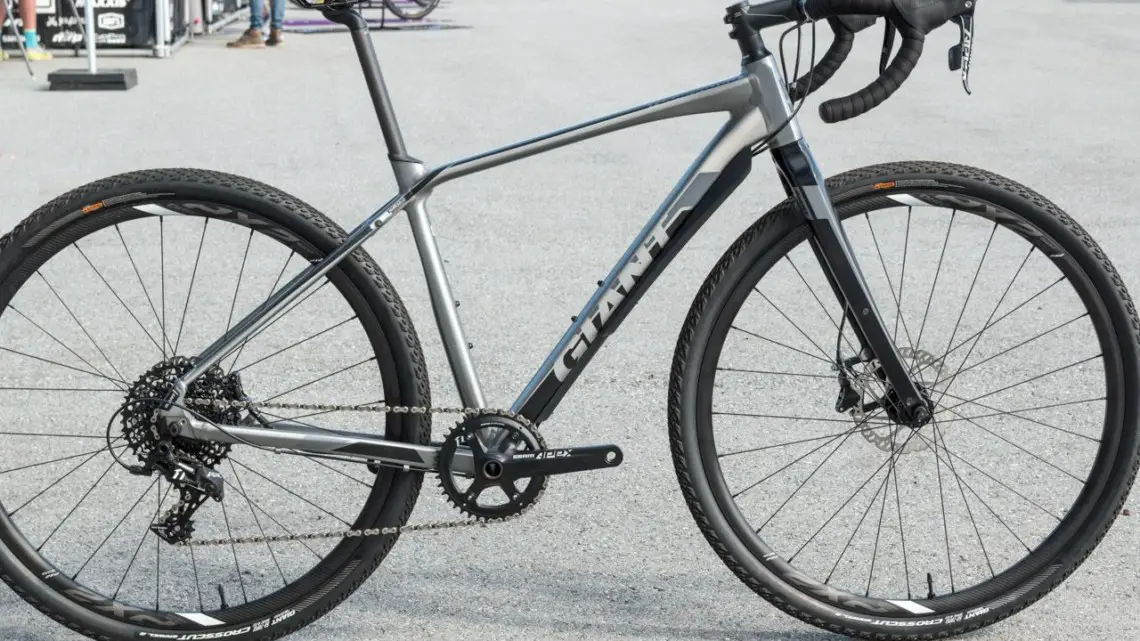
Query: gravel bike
pixel 236 473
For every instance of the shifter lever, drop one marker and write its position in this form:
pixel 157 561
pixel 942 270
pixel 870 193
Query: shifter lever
pixel 960 53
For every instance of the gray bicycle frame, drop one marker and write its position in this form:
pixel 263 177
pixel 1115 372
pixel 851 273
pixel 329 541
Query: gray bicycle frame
pixel 759 110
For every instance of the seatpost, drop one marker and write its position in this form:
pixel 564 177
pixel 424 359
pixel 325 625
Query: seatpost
pixel 370 64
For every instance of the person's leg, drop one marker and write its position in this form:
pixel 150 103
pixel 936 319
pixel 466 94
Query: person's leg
pixel 31 39
pixel 276 22
pixel 3 29
pixel 252 38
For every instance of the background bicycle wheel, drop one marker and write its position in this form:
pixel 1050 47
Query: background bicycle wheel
pixel 610 555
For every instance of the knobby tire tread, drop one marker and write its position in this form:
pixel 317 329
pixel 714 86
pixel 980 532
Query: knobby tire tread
pixel 776 216
pixel 289 206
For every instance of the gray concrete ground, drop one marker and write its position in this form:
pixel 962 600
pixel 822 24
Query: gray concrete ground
pixel 612 555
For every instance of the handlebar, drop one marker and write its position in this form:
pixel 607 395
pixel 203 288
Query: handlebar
pixel 913 20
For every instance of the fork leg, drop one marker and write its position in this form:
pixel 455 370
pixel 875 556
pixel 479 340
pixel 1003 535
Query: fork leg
pixel 803 179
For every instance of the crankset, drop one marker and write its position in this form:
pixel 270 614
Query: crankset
pixel 509 465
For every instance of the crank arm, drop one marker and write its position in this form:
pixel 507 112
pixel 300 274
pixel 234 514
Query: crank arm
pixel 565 460
pixel 290 437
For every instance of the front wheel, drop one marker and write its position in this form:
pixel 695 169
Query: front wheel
pixel 788 452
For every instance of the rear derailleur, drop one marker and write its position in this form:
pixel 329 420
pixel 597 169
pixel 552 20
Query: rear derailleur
pixel 196 483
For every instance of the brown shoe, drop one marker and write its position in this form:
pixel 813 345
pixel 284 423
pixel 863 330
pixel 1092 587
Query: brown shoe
pixel 251 39
pixel 276 38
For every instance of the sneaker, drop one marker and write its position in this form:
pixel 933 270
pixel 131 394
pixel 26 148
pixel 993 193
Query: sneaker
pixel 37 54
pixel 276 38
pixel 251 39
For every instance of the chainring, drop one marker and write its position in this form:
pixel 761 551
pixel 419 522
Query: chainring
pixel 488 467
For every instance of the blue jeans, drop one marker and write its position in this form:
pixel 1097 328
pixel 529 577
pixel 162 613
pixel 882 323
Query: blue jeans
pixel 276 14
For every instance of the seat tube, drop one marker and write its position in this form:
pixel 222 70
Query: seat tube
pixel 443 303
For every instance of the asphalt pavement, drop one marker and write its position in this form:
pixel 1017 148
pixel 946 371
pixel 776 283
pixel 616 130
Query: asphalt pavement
pixel 612 555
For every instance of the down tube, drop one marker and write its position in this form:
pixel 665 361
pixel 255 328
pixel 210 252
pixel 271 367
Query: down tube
pixel 716 173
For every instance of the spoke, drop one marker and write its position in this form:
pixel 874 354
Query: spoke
pixel 902 281
pixel 800 351
pixel 990 322
pixel 272 289
pixel 1028 380
pixel 81 327
pixel 116 295
pixel 902 536
pixel 845 504
pixel 197 583
pixel 934 285
pixel 303 340
pixel 897 297
pixel 162 273
pixel 291 492
pixel 190 289
pixel 760 371
pixel 796 418
pixel 1032 454
pixel 256 520
pixel 804 482
pixel 855 531
pixel 233 547
pixel 116 381
pixel 237 287
pixel 1014 413
pixel 970 293
pixel 882 511
pixel 146 531
pixel 961 458
pixel 58 460
pixel 326 376
pixel 157 555
pixel 59 389
pixel 113 530
pixel 276 318
pixel 149 298
pixel 86 362
pixel 269 516
pixel 341 472
pixel 792 323
pixel 100 437
pixel 872 427
pixel 942 503
pixel 847 433
pixel 59 480
pixel 823 307
pixel 962 370
pixel 980 499
pixel 938 435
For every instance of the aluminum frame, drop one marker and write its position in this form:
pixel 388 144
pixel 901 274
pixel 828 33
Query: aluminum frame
pixel 759 110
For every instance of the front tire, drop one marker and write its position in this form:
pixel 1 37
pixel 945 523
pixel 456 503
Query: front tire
pixel 939 604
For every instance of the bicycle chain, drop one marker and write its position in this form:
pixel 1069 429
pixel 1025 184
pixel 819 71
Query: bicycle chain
pixel 366 532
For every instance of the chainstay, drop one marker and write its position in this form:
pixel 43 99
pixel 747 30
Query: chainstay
pixel 379 408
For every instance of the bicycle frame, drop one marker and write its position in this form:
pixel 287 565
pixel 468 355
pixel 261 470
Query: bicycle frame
pixel 759 109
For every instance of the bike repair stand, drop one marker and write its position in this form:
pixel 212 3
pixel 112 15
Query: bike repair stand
pixel 91 79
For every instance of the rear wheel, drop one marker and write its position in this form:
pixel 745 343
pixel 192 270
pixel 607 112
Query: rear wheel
pixel 1019 331
pixel 104 292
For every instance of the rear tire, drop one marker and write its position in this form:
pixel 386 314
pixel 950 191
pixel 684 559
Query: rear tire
pixel 696 372
pixel 390 499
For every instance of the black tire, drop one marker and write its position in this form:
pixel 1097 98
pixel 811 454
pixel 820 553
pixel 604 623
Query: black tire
pixel 363 285
pixel 695 374
pixel 408 12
